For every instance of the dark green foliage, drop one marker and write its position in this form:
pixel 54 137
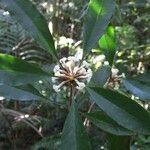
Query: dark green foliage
pixel 113 111
pixel 107 124
pixel 74 136
pixel 118 106
pixel 139 86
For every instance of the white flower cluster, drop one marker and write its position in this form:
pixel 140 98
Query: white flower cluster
pixel 63 41
pixel 71 71
pixel 115 79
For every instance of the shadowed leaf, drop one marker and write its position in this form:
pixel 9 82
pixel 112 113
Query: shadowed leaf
pixel 74 136
pixel 121 109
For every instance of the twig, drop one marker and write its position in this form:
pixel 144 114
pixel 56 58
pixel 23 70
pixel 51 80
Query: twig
pixel 86 121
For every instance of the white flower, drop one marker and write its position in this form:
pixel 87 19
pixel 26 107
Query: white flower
pixel 80 86
pixel 63 41
pixel 56 68
pixel 86 64
pixel 54 79
pixel 99 58
pixel 5 13
pixel 89 75
pixel 82 71
pixel 56 88
pixel 75 69
pixel 2 98
pixel 72 72
pixel 71 58
pixel 70 65
pixel 63 61
pixel 58 74
pixel 114 71
pixel 40 81
pixel 79 54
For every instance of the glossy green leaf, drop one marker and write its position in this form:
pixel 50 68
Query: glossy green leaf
pixel 138 88
pixel 107 44
pixel 97 18
pixel 16 93
pixel 101 76
pixel 107 124
pixel 14 71
pixel 121 109
pixel 30 18
pixel 74 136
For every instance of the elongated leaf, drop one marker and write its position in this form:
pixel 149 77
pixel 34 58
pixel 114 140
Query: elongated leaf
pixel 138 88
pixel 107 44
pixel 14 71
pixel 107 124
pixel 15 93
pixel 96 21
pixel 101 76
pixel 74 136
pixel 143 77
pixel 30 18
pixel 30 88
pixel 121 109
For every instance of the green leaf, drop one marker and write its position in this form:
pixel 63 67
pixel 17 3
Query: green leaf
pixel 14 71
pixel 15 93
pixel 101 76
pixel 107 124
pixel 48 143
pixel 121 109
pixel 30 18
pixel 30 88
pixel 138 88
pixel 74 136
pixel 107 44
pixel 97 18
pixel 118 142
pixel 143 77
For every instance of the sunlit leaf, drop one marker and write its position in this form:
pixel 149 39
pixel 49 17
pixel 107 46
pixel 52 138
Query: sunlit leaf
pixel 97 18
pixel 121 109
pixel 14 71
pixel 107 44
